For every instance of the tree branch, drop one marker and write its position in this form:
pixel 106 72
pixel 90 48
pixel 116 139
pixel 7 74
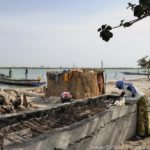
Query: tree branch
pixel 132 21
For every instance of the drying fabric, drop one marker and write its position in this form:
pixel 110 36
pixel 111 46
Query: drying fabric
pixel 66 77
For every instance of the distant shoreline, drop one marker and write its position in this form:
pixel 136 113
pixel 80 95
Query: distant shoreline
pixel 69 68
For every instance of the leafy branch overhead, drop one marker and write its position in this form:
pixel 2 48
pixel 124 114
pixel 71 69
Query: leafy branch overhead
pixel 140 11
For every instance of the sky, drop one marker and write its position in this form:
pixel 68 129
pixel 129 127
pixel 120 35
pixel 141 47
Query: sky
pixel 64 33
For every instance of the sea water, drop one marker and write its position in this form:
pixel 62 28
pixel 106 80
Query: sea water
pixel 109 74
pixel 117 74
pixel 32 74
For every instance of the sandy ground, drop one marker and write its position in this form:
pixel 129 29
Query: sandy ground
pixel 136 144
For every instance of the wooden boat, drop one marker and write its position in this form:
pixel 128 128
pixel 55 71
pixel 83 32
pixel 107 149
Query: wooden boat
pixel 25 82
pixel 135 73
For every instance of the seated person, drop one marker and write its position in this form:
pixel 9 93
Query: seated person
pixel 65 97
pixel 133 95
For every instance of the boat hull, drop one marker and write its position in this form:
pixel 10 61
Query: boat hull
pixel 135 73
pixel 23 82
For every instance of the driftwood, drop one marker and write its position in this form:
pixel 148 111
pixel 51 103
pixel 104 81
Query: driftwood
pixel 11 101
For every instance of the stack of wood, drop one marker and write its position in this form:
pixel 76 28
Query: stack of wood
pixel 80 83
pixel 11 101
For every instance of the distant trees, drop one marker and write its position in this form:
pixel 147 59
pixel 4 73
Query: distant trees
pixel 140 11
pixel 145 64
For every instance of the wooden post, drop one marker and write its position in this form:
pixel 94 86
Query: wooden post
pixel 105 82
pixel 102 64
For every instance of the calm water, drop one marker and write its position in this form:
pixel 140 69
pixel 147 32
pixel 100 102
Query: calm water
pixel 110 74
pixel 116 74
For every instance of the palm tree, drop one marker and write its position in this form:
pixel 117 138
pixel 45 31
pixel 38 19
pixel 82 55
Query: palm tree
pixel 148 68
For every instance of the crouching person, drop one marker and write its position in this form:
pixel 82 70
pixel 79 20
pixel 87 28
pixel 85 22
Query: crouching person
pixel 65 97
pixel 133 95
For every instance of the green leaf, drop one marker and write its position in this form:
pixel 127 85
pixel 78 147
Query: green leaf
pixel 108 28
pixel 127 24
pixel 106 35
pixel 99 29
pixel 138 11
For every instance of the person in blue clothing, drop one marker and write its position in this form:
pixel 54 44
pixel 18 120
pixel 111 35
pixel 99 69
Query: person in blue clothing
pixel 129 90
pixel 133 95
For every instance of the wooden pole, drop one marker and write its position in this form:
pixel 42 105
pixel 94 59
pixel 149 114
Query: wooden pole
pixel 102 64
pixel 105 81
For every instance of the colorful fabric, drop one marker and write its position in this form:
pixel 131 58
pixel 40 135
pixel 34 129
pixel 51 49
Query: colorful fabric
pixel 66 77
pixel 66 95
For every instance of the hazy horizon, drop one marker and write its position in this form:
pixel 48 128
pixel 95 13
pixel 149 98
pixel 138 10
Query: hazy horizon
pixel 64 33
pixel 24 66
